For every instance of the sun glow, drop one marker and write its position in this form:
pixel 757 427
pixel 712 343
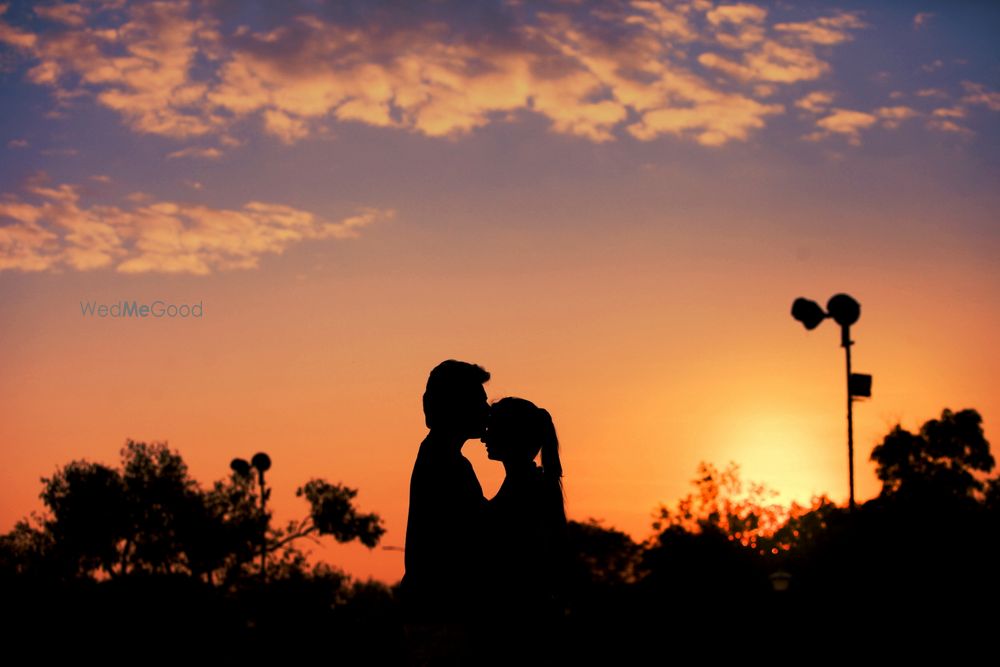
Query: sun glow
pixel 780 451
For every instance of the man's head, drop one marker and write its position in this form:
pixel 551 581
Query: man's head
pixel 455 400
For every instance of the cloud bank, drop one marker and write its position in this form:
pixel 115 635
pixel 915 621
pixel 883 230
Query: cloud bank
pixel 690 69
pixel 50 228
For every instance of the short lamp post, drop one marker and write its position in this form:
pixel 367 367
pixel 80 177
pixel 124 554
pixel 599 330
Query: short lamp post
pixel 845 311
pixel 780 581
pixel 260 462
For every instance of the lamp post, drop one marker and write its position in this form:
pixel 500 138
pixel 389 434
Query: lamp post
pixel 780 581
pixel 845 311
pixel 260 462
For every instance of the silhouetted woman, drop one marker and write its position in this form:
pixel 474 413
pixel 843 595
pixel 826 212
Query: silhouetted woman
pixel 526 558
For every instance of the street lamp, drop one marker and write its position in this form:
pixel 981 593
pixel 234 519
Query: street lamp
pixel 260 462
pixel 780 581
pixel 845 311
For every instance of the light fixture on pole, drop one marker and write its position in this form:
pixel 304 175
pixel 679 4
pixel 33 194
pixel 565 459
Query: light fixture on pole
pixel 845 311
pixel 260 462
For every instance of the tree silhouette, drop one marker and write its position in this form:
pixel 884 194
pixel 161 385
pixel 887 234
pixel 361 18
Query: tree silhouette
pixel 806 524
pixel 142 553
pixel 723 503
pixel 599 592
pixel 603 556
pixel 149 516
pixel 944 460
pixel 144 549
pixel 708 551
pixel 89 517
pixel 332 513
pixel 924 550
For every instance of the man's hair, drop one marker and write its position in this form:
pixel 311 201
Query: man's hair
pixel 448 381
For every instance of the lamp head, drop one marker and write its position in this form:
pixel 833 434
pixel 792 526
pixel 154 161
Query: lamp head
pixel 808 312
pixel 240 467
pixel 843 309
pixel 261 461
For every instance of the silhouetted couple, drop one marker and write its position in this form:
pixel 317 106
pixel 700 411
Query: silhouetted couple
pixel 483 577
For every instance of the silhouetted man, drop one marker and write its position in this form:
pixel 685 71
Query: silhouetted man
pixel 443 542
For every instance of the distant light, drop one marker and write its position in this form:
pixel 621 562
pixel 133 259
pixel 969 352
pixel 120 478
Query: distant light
pixel 780 580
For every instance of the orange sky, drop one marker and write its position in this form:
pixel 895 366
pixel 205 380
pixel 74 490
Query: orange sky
pixel 636 283
pixel 647 366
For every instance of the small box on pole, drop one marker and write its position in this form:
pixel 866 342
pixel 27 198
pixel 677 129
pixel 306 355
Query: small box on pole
pixel 860 385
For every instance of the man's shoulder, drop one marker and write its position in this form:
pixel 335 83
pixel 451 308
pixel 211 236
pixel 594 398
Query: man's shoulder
pixel 432 464
pixel 429 453
pixel 423 465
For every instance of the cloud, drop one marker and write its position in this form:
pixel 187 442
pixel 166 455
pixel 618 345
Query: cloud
pixel 881 76
pixel 788 57
pixel 12 36
pixel 843 122
pixel 141 68
pixel 669 22
pixel 51 229
pixel 772 62
pixel 921 19
pixel 892 117
pixel 945 125
pixel 17 143
pixel 826 30
pixel 596 71
pixel 287 128
pixel 68 13
pixel 848 123
pixel 943 119
pixel 815 101
pixel 977 93
pixel 738 26
pixel 193 151
pixel 732 118
pixel 738 14
pixel 949 112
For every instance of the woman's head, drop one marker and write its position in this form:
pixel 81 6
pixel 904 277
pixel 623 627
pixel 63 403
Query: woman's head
pixel 518 430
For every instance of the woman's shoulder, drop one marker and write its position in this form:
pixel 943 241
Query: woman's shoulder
pixel 520 493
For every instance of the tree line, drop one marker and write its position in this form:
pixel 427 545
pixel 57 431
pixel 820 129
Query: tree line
pixel 141 560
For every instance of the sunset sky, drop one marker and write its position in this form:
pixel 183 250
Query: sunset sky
pixel 609 205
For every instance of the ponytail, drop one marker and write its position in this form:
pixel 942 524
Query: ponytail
pixel 556 547
pixel 550 445
pixel 552 467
